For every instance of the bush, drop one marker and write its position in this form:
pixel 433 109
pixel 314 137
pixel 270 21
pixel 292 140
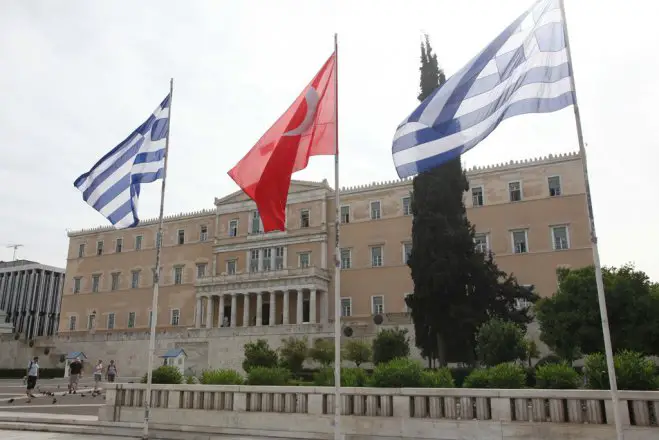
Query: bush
pixel 441 378
pixel 191 380
pixel 390 344
pixel 633 371
pixel 322 351
pixel 19 373
pixel 397 373
pixel 358 352
pixel 165 374
pixel 549 359
pixel 268 376
pixel 460 374
pixel 259 354
pixel 502 376
pixel 499 341
pixel 221 377
pixel 350 377
pixel 557 377
pixel 293 353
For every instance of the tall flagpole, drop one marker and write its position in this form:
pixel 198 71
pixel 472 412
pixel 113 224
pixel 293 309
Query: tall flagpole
pixel 337 256
pixel 593 238
pixel 156 277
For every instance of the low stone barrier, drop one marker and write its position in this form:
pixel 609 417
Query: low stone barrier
pixel 378 413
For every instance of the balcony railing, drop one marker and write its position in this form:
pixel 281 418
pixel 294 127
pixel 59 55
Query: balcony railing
pixel 264 275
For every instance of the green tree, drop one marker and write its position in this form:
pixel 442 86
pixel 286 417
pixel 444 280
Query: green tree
pixel 390 344
pixel 259 354
pixel 532 351
pixel 358 351
pixel 570 320
pixel 293 353
pixel 322 351
pixel 456 288
pixel 499 341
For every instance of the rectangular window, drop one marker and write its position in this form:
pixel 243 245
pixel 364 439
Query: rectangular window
pixel 110 321
pixel 201 270
pixel 515 190
pixel 158 239
pixel 131 319
pixel 554 186
pixel 96 281
pixel 346 306
pixel 119 245
pixel 99 248
pixel 345 214
pixel 560 237
pixel 178 275
pixel 520 242
pixel 138 243
pixel 81 250
pixel 76 285
pixel 407 205
pixel 305 259
pixel 150 318
pixel 73 322
pixel 91 322
pixel 255 225
pixel 254 260
pixel 477 196
pixel 267 258
pixel 304 218
pixel 135 279
pixel 407 251
pixel 203 233
pixel 480 241
pixel 376 256
pixel 115 281
pixel 279 258
pixel 231 267
pixel 176 315
pixel 233 228
pixel 346 259
pixel 181 236
pixel 406 308
pixel 375 210
pixel 377 305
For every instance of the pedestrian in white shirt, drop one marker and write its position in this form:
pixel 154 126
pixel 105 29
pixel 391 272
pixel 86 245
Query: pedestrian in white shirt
pixel 32 376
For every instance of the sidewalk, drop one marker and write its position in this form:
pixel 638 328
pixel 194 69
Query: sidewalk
pixel 23 435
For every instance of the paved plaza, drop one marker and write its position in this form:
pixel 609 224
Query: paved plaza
pixel 13 398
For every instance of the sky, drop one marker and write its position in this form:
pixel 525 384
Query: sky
pixel 78 76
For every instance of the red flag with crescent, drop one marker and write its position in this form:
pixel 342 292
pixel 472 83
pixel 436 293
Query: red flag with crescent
pixel 308 128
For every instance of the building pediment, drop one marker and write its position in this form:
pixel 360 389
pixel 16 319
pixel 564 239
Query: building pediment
pixel 297 187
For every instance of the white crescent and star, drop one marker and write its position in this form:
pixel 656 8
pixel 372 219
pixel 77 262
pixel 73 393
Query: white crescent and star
pixel 312 99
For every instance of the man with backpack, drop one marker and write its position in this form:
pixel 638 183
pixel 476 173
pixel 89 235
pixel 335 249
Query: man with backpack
pixel 75 371
pixel 111 372
pixel 32 376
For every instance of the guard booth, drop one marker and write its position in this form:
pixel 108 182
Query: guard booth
pixel 175 357
pixel 70 358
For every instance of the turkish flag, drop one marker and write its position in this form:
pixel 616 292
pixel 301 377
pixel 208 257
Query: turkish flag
pixel 308 128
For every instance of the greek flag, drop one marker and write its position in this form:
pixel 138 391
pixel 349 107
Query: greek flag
pixel 524 70
pixel 112 186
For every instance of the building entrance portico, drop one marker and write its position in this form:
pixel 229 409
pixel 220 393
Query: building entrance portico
pixel 283 297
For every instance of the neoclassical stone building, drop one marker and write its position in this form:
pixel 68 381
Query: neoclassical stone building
pixel 220 270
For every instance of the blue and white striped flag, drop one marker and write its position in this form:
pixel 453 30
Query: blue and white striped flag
pixel 112 186
pixel 524 70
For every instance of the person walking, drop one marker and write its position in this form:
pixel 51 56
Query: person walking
pixel 75 372
pixel 111 373
pixel 32 376
pixel 98 374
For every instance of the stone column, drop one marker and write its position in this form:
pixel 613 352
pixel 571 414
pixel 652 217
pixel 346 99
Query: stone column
pixel 209 312
pixel 261 252
pixel 246 309
pixel 312 306
pixel 324 307
pixel 220 312
pixel 285 262
pixel 259 309
pixel 285 307
pixel 234 308
pixel 300 296
pixel 273 307
pixel 197 319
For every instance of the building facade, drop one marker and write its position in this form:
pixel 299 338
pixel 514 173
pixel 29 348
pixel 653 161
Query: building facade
pixel 30 298
pixel 220 270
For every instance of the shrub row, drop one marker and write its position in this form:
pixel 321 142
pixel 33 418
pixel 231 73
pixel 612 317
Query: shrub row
pixel 19 373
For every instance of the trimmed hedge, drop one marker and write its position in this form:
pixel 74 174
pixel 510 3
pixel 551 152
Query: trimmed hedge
pixel 19 373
